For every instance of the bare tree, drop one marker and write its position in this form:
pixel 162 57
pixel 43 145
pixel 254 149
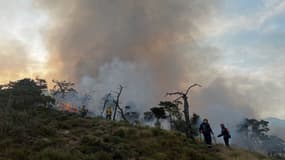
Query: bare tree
pixel 42 83
pixel 62 87
pixel 117 104
pixel 184 96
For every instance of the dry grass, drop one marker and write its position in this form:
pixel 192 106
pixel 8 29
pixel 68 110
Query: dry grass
pixel 239 154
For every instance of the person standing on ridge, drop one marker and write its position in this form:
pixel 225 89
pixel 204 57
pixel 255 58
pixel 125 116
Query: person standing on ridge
pixel 109 113
pixel 206 130
pixel 83 111
pixel 225 134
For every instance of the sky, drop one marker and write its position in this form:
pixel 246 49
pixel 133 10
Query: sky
pixel 22 51
pixel 248 36
pixel 251 35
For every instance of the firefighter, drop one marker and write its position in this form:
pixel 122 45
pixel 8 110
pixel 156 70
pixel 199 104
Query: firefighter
pixel 225 134
pixel 206 130
pixel 83 111
pixel 109 113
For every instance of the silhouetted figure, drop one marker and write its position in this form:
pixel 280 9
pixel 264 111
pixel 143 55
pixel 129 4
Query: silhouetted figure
pixel 225 134
pixel 83 111
pixel 206 130
pixel 109 113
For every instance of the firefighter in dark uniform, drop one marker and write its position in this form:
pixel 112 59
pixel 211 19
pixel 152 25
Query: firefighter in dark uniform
pixel 83 111
pixel 225 133
pixel 206 130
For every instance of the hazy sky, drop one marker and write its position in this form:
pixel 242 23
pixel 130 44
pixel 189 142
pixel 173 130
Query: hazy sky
pixel 22 51
pixel 249 36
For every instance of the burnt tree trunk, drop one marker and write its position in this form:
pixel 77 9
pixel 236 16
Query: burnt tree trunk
pixel 117 105
pixel 104 107
pixel 115 111
pixel 122 113
pixel 187 117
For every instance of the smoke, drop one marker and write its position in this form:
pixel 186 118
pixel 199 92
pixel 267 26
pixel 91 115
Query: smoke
pixel 223 101
pixel 150 46
pixel 136 83
pixel 221 98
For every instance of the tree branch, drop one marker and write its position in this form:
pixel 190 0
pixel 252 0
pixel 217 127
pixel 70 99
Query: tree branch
pixel 174 93
pixel 193 85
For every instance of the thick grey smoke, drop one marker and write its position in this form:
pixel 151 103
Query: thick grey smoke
pixel 223 102
pixel 147 44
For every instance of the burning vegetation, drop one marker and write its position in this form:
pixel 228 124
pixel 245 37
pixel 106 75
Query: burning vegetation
pixel 68 107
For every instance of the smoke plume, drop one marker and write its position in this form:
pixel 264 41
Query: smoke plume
pixel 143 44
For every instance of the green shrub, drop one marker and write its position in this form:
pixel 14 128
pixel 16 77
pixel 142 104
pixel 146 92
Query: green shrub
pixel 18 153
pixel 63 125
pixel 132 132
pixel 160 156
pixel 116 139
pixel 157 132
pixel 46 131
pixel 120 133
pixel 55 154
pixel 89 140
pixel 145 133
pixel 102 156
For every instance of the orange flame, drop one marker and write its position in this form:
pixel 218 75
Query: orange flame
pixel 69 108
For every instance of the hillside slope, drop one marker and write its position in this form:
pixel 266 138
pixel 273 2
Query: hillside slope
pixel 42 134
